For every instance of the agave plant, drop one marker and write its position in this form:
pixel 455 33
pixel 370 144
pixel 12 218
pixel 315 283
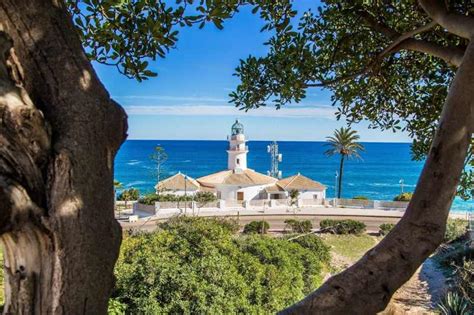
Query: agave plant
pixel 454 304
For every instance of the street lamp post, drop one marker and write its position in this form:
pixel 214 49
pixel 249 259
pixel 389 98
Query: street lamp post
pixel 185 193
pixel 335 189
pixel 401 182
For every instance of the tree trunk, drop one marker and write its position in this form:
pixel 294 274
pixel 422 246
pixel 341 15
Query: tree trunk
pixel 59 134
pixel 367 286
pixel 341 170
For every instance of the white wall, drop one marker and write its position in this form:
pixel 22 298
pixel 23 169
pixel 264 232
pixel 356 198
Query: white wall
pixel 232 160
pixel 229 192
pixel 308 194
pixel 237 151
pixel 178 192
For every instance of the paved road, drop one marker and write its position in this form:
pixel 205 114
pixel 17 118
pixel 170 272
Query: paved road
pixel 277 221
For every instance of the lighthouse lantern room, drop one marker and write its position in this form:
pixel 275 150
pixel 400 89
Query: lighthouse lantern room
pixel 237 152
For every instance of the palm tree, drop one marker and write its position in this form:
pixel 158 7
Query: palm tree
pixel 344 142
pixel 117 185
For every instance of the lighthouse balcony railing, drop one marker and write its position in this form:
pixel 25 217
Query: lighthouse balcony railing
pixel 239 148
pixel 239 137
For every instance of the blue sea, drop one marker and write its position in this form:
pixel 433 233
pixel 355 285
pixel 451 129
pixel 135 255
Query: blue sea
pixel 377 176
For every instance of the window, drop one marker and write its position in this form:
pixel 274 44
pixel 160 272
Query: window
pixel 238 161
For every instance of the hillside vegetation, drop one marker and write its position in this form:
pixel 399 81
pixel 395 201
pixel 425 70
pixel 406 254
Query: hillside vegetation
pixel 201 266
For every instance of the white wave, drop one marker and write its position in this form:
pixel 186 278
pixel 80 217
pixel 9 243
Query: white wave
pixel 389 185
pixel 135 183
pixel 133 162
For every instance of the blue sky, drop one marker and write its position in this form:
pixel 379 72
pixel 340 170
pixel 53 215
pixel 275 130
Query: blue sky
pixel 189 98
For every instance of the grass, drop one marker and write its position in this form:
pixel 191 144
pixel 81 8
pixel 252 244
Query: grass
pixel 351 246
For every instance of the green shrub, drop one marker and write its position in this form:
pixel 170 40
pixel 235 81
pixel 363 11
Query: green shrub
pixel 454 304
pixel 385 228
pixel 297 226
pixel 453 255
pixel 343 226
pixel 360 198
pixel 150 199
pixel 403 197
pixel 260 227
pixel 129 194
pixel 455 228
pixel 116 307
pixel 198 266
pixel 316 245
pixel 464 279
pixel 202 198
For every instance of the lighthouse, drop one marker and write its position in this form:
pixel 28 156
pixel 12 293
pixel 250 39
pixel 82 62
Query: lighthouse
pixel 237 152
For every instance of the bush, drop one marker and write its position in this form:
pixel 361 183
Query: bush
pixel 116 308
pixel 129 194
pixel 316 245
pixel 454 304
pixel 453 254
pixel 403 197
pixel 198 266
pixel 260 227
pixel 455 228
pixel 360 198
pixel 385 228
pixel 464 279
pixel 204 197
pixel 297 226
pixel 343 226
pixel 150 199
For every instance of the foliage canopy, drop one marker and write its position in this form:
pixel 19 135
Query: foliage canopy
pixel 197 265
pixel 384 62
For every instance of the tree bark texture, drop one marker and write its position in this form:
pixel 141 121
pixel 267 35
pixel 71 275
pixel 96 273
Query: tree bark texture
pixel 59 133
pixel 367 286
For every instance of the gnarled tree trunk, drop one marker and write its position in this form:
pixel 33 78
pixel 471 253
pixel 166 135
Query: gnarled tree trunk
pixel 59 133
pixel 367 286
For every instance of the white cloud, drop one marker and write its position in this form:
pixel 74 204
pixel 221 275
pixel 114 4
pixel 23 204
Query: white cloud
pixel 326 112
pixel 170 98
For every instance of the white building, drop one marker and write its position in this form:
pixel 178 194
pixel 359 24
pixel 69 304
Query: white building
pixel 306 187
pixel 239 183
pixel 179 185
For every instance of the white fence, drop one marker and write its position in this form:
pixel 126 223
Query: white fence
pixel 151 209
pixel 390 204
pixel 233 204
pixel 259 203
pixel 313 202
pixel 272 203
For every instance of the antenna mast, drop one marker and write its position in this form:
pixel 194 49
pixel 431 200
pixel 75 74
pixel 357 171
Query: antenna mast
pixel 276 158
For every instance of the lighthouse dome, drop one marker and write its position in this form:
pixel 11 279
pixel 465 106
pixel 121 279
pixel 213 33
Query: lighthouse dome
pixel 237 128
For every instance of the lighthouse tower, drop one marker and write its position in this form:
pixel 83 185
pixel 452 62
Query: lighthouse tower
pixel 237 152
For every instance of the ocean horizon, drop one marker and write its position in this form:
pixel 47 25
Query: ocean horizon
pixel 376 176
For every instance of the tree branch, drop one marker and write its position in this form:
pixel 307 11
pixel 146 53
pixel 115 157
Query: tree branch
pixel 408 35
pixel 458 24
pixel 367 286
pixel 452 55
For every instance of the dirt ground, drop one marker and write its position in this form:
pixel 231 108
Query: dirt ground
pixel 419 296
pixel 421 293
